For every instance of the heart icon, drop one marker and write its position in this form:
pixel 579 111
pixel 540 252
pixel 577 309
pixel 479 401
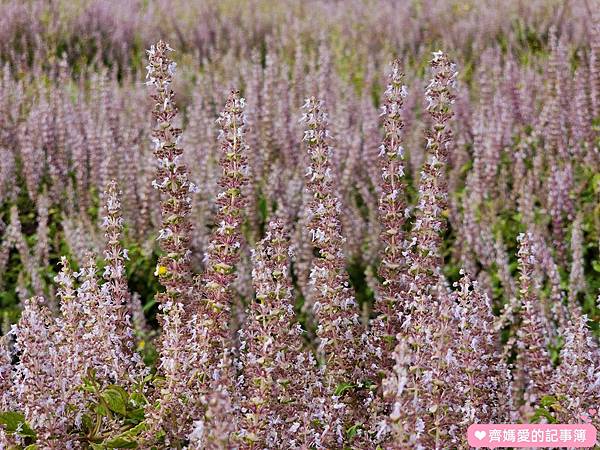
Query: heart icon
pixel 592 411
pixel 480 434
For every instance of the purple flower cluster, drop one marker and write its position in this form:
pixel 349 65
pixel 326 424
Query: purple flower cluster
pixel 329 282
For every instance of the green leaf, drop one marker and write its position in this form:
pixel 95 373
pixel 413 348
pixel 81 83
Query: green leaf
pixel 148 306
pixel 137 399
pixel 353 430
pixel 120 443
pixel 262 208
pixel 370 385
pixel 101 410
pixel 126 439
pixel 547 401
pixel 542 412
pixel 136 415
pixel 342 388
pixel 14 421
pixel 31 447
pixel 116 399
pixel 87 422
pixel 390 339
pixel 596 265
pixel 595 182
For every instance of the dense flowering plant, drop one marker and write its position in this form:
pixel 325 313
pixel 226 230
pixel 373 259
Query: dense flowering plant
pixel 294 269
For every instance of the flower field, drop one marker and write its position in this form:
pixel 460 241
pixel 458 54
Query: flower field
pixel 272 224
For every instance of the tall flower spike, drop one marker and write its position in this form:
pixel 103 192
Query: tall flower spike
pixel 577 378
pixel 428 327
pixel 69 328
pixel 16 237
pixel 271 342
pixel 534 368
pixel 212 339
pixel 44 390
pixel 226 240
pixel 114 273
pixel 202 364
pixel 577 281
pixel 433 188
pixel 483 382
pixel 334 304
pixel 72 315
pixel 391 204
pixel 102 343
pixel 97 337
pixel 173 267
pixel 6 381
pixel 114 254
pixel 171 411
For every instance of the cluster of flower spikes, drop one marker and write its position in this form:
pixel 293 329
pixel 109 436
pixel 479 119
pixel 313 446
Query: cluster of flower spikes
pixel 171 412
pixel 334 304
pixel 173 267
pixel 392 210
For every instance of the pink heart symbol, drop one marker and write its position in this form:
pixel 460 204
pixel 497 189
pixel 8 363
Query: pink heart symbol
pixel 592 411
